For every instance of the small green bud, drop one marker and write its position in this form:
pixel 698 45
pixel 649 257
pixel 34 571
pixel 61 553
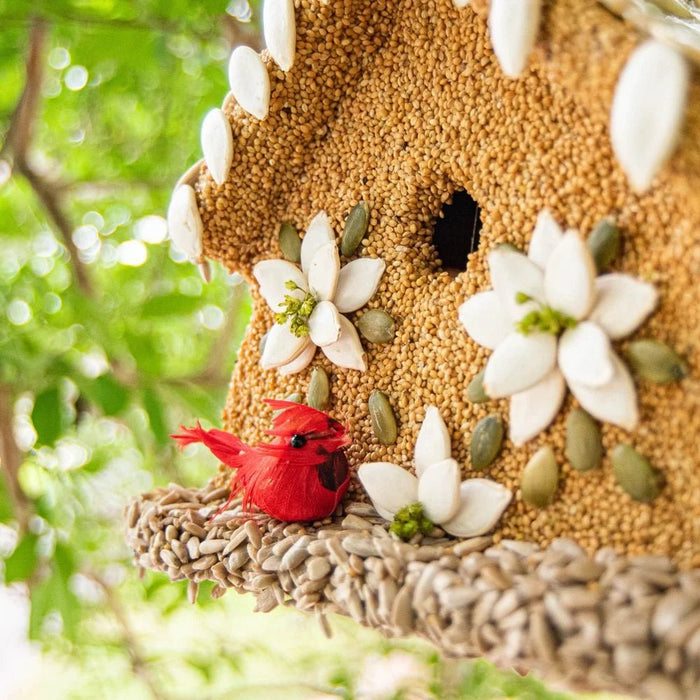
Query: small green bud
pixel 409 521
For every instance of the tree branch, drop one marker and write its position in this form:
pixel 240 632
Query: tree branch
pixel 18 141
pixel 47 196
pixel 139 664
pixel 234 31
pixel 20 131
pixel 11 460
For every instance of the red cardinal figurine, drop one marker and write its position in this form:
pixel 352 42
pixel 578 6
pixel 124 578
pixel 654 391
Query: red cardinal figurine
pixel 301 475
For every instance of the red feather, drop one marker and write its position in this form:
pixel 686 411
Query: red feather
pixel 302 474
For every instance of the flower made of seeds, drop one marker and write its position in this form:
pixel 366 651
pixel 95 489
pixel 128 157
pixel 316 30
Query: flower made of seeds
pixel 435 496
pixel 549 321
pixel 309 303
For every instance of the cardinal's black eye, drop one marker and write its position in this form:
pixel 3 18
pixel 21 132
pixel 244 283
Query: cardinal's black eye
pixel 298 441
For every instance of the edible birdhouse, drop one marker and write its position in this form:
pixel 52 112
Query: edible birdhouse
pixel 466 405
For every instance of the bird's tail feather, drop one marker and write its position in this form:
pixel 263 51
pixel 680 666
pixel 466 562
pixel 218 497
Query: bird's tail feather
pixel 224 446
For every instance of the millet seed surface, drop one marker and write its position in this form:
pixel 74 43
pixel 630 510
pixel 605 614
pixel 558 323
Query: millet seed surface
pixel 399 103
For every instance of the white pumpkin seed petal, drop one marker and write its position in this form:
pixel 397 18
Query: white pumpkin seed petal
pixel 358 283
pixel 389 487
pixel 570 276
pixel 513 28
pixel 281 347
pixel 513 273
pixel 184 223
pixel 347 350
pixel 324 324
pixel 482 503
pixel 485 319
pixel 438 490
pixel 300 362
pixel 518 363
pixel 615 402
pixel 622 304
pixel 323 271
pixel 532 410
pixel 191 175
pixel 272 276
pixel 461 3
pixel 433 442
pixel 249 81
pixel 318 234
pixel 546 236
pixel 584 355
pixel 217 144
pixel 279 29
pixel 647 110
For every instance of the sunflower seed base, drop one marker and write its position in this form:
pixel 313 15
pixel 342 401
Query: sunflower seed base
pixel 630 624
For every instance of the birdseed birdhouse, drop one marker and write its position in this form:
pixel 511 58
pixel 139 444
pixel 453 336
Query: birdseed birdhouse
pixel 467 403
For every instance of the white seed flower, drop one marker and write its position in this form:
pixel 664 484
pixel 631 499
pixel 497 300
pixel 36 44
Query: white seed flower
pixel 549 321
pixel 323 289
pixel 466 509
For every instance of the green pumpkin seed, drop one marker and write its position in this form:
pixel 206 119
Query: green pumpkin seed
pixel 319 391
pixel 540 478
pixel 656 362
pixel 290 242
pixel 584 448
pixel 634 473
pixel 604 243
pixel 354 229
pixel 377 326
pixel 475 391
pixel 486 443
pixel 382 417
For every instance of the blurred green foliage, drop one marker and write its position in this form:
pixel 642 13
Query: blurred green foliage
pixel 108 341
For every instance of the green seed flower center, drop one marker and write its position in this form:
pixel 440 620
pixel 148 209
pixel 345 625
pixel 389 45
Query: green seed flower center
pixel 296 311
pixel 409 521
pixel 545 319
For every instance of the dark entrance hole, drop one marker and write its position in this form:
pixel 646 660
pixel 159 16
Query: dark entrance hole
pixel 457 231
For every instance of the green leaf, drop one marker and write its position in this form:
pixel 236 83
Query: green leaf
pixel 42 597
pixel 145 352
pixel 6 510
pixel 47 416
pixel 154 408
pixel 111 396
pixel 170 305
pixel 20 565
pixel 67 604
pixel 204 404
